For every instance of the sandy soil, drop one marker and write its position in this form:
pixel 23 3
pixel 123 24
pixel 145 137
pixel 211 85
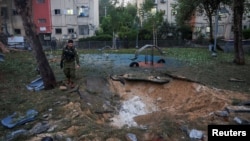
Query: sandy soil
pixel 181 100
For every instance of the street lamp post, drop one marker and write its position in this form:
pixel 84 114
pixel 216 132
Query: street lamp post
pixel 221 11
pixel 136 46
pixel 136 22
pixel 215 32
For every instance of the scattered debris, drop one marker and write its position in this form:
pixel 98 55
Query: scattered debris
pixel 134 77
pixel 222 113
pixel 103 112
pixel 47 139
pixel 193 134
pixel 131 137
pixel 63 88
pixel 15 134
pixel 18 119
pixel 40 127
pixel 237 109
pixel 76 89
pixel 179 77
pixel 36 85
pixel 246 103
pixel 236 80
pixel 241 121
pixel 1 57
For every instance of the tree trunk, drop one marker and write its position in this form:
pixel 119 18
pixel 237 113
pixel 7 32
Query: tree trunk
pixel 3 48
pixel 211 27
pixel 238 8
pixel 1 19
pixel 24 8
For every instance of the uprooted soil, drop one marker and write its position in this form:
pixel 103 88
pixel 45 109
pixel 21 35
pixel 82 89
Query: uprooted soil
pixel 88 113
pixel 170 106
pixel 179 98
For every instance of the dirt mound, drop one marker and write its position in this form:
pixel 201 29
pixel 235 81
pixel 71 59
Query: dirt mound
pixel 178 98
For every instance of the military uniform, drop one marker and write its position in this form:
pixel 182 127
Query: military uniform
pixel 69 59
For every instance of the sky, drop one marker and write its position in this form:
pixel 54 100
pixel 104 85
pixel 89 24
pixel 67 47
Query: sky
pixel 126 1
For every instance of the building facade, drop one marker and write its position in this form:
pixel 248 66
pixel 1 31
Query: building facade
pixel 164 6
pixel 199 22
pixel 42 20
pixel 74 19
pixel 11 21
pixel 60 19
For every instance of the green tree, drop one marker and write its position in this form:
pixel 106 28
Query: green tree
pixel 105 6
pixel 210 7
pixel 152 19
pixel 186 9
pixel 24 8
pixel 119 20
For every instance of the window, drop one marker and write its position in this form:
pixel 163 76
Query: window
pixel 4 12
pixel 40 1
pixel 69 12
pixel 163 1
pixel 220 30
pixel 70 30
pixel 174 12
pixel 83 11
pixel 84 30
pixel 207 29
pixel 162 11
pixel 58 31
pixel 14 12
pixel 41 20
pixel 17 31
pixel 57 11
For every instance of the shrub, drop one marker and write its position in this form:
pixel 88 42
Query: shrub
pixel 246 33
pixel 102 37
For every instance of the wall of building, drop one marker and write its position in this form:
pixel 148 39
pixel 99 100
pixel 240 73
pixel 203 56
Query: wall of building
pixel 41 11
pixel 13 21
pixel 68 20
pixel 76 19
pixel 88 24
pixel 162 5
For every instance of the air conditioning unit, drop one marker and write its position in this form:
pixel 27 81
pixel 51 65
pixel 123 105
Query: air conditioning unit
pixel 73 36
pixel 163 1
pixel 155 1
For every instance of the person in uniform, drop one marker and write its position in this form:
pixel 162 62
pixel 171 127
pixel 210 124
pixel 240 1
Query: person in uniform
pixel 69 62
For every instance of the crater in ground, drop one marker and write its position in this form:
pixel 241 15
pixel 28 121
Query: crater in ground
pixel 147 104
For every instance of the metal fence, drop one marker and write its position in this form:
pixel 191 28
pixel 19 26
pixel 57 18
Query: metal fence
pixel 129 44
pixel 227 46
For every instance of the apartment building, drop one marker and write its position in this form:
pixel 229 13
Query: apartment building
pixel 199 22
pixel 222 25
pixel 74 18
pixel 11 22
pixel 42 20
pixel 60 19
pixel 164 6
